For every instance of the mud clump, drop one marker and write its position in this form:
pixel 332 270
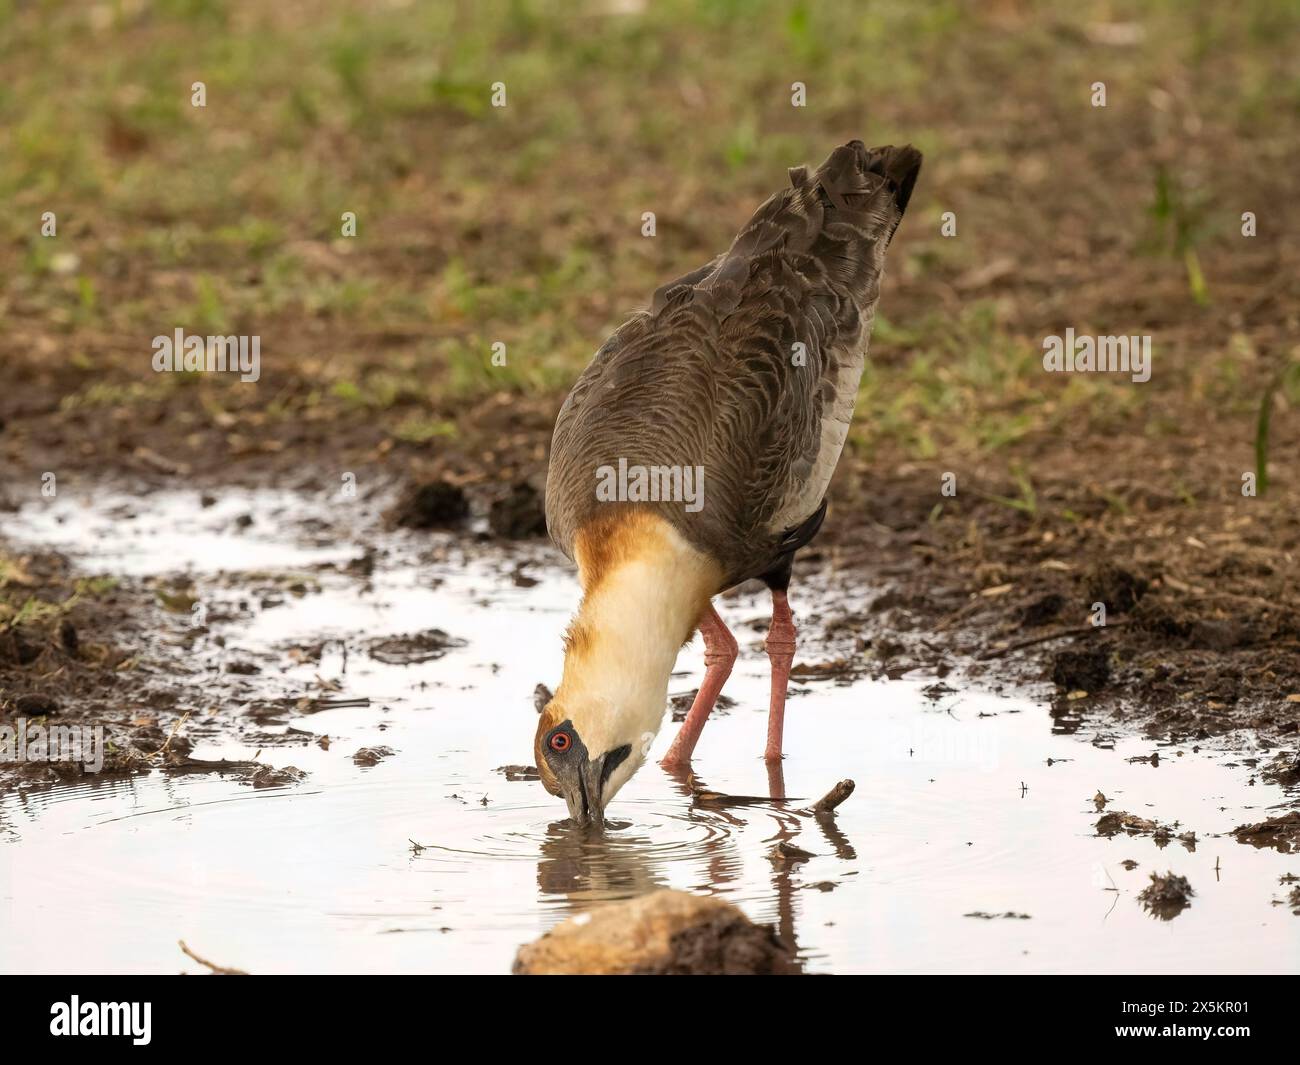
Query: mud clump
pixel 680 704
pixel 667 933
pixel 1166 896
pixel 371 756
pixel 415 648
pixel 1042 610
pixel 1213 634
pixel 1117 821
pixel 270 777
pixel 1115 586
pixel 520 515
pixel 36 704
pixel 1087 670
pixel 436 505
pixel 16 649
pixel 1162 621
pixel 786 855
pixel 1112 824
pixel 516 773
pixel 1283 833
pixel 1009 915
pixel 1284 769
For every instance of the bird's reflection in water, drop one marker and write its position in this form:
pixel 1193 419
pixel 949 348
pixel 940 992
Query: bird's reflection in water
pixel 580 868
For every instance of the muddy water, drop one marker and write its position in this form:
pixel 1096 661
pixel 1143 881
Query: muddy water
pixel 968 803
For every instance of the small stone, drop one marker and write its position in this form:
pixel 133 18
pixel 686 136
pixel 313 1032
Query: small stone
pixel 664 933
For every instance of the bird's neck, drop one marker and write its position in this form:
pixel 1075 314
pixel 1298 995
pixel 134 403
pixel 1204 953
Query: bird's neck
pixel 644 590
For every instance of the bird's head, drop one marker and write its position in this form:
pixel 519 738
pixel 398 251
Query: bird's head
pixel 585 753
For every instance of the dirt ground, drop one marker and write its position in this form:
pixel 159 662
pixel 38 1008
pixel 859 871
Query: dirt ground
pixel 1070 490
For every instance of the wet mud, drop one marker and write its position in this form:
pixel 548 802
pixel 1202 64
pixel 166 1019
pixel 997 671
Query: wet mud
pixel 379 685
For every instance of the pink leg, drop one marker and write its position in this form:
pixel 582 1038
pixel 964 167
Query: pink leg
pixel 775 780
pixel 780 651
pixel 720 652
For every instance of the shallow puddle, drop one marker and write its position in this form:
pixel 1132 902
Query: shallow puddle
pixel 431 860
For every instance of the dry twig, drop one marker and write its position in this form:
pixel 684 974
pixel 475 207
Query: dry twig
pixel 219 970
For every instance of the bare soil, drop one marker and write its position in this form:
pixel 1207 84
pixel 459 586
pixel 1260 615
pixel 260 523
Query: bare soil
pixel 1069 491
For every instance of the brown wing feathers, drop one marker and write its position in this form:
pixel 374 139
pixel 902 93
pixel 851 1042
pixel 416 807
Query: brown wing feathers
pixel 707 377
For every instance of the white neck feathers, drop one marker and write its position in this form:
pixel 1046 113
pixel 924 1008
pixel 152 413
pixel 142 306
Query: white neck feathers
pixel 645 588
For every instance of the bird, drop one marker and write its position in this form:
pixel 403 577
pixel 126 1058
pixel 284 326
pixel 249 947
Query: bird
pixel 694 453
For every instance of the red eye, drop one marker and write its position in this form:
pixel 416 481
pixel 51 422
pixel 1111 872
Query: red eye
pixel 560 741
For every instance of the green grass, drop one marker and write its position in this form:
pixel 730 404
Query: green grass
pixel 1181 219
pixel 520 225
pixel 20 605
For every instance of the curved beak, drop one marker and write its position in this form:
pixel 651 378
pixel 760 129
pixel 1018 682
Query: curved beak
pixel 582 787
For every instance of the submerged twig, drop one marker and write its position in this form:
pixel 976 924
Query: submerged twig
pixel 718 798
pixel 214 765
